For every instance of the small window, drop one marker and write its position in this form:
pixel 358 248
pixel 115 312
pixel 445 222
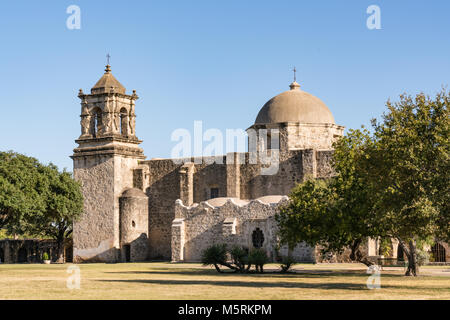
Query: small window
pixel 214 193
pixel 269 142
pixel 257 238
pixel 133 224
pixel 123 122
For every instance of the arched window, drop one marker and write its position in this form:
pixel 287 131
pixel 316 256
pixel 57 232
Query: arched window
pixel 123 122
pixel 96 122
pixel 438 252
pixel 257 238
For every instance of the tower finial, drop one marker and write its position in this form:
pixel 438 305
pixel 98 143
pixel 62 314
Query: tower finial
pixel 294 85
pixel 108 67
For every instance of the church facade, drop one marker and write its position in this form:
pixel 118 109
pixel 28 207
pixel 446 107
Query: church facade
pixel 138 209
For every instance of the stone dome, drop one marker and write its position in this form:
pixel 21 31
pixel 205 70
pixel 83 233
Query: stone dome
pixel 108 82
pixel 294 105
pixel 133 193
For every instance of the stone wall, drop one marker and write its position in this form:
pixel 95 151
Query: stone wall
pixel 294 135
pixel 133 225
pixel 209 175
pixel 231 221
pixel 94 234
pixel 314 136
pixel 191 182
pixel 163 190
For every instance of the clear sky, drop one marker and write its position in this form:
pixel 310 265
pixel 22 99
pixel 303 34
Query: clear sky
pixel 215 61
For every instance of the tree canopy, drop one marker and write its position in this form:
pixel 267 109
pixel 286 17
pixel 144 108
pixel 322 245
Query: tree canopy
pixel 37 199
pixel 391 183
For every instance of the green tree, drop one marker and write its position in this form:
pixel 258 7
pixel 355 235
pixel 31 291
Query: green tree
pixel 21 186
pixel 337 213
pixel 64 205
pixel 37 199
pixel 410 163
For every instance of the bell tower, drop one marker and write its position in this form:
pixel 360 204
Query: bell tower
pixel 108 151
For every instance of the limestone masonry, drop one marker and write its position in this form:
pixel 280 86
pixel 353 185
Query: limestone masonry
pixel 137 209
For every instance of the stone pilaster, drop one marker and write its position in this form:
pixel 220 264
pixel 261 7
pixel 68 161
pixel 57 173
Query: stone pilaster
pixel 178 239
pixel 187 183
pixel 309 164
pixel 234 161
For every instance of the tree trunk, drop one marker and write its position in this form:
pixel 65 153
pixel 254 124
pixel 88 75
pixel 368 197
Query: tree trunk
pixel 357 255
pixel 413 267
pixel 411 255
pixel 217 268
pixel 60 248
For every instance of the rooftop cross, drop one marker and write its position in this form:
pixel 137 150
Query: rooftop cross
pixel 295 76
pixel 108 67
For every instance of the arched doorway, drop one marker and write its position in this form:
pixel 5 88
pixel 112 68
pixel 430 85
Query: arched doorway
pixel 127 249
pixel 438 252
pixel 2 255
pixel 22 255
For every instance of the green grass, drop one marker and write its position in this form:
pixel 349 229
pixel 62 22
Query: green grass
pixel 158 280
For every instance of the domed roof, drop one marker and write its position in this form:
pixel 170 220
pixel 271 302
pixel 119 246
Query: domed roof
pixel 133 193
pixel 108 82
pixel 294 105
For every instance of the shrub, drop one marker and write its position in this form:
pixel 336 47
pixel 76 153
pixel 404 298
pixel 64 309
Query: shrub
pixel 259 258
pixel 215 255
pixel 239 257
pixel 45 256
pixel 287 262
pixel 423 257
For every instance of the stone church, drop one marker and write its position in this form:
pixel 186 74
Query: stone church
pixel 138 209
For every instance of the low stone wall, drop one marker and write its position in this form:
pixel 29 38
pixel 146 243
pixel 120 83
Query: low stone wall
pixel 231 221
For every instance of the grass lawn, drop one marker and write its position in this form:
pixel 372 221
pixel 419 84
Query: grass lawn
pixel 159 280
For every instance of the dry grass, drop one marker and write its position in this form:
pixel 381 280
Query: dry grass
pixel 192 281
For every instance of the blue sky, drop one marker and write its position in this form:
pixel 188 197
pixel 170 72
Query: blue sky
pixel 215 61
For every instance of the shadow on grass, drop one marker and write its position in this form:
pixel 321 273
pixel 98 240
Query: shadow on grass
pixel 297 274
pixel 295 285
pixel 278 284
